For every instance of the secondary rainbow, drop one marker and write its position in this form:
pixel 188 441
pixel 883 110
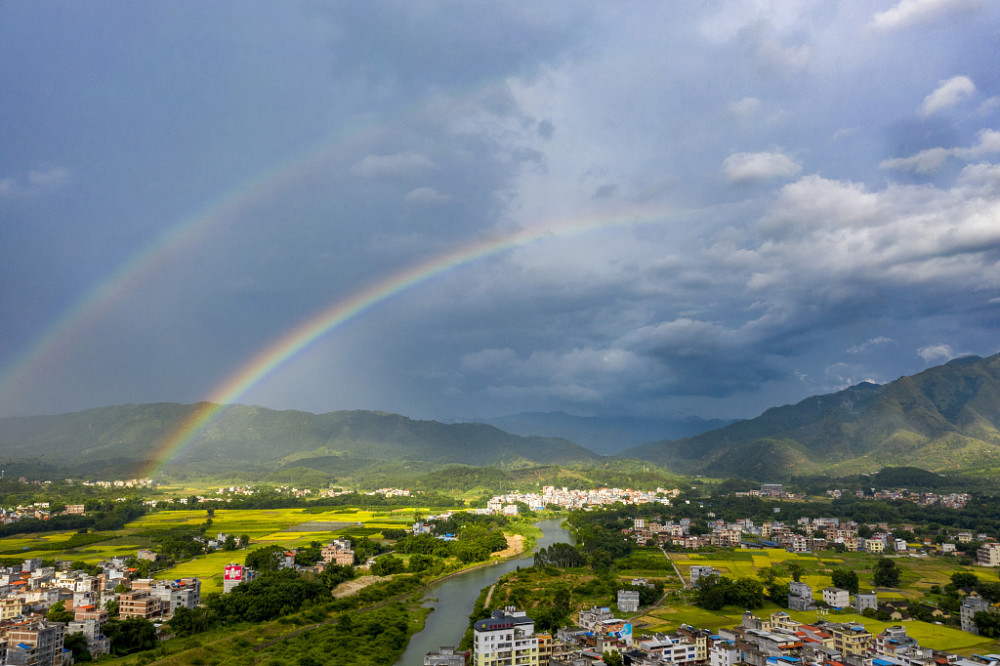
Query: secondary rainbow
pixel 315 327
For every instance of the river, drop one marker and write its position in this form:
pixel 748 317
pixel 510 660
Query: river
pixel 456 596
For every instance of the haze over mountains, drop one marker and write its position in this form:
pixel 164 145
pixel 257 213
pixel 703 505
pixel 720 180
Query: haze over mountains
pixel 945 418
pixel 604 435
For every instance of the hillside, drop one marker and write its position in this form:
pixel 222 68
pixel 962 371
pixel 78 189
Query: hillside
pixel 605 435
pixel 945 418
pixel 253 442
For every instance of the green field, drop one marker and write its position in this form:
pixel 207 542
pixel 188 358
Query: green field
pixel 264 527
pixel 939 637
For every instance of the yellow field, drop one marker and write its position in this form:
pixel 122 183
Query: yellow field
pixel 264 527
pixel 208 568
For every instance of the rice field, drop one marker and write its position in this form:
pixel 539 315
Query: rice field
pixel 288 527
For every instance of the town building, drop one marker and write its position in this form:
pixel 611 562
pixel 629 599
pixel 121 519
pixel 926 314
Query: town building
pixel 849 638
pixel 863 600
pixel 967 612
pixel 35 643
pixel 988 555
pixel 139 603
pixel 236 574
pixel 836 597
pixel 800 596
pixel 446 656
pixel 628 601
pixel 507 637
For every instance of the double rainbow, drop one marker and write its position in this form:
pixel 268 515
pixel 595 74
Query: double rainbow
pixel 323 322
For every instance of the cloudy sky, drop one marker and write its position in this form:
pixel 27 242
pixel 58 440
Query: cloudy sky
pixel 606 208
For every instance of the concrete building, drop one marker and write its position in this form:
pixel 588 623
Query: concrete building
pixel 628 601
pixel 446 656
pixel 36 643
pixel 863 600
pixel 235 574
pixel 800 596
pixel 139 603
pixel 967 612
pixel 699 571
pixel 589 618
pixel 97 643
pixel 836 597
pixel 174 594
pixel 988 555
pixel 508 638
pixel 850 639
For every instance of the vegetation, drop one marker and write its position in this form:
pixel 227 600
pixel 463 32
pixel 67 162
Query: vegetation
pixel 944 418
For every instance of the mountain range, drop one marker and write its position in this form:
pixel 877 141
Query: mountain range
pixel 254 441
pixel 945 418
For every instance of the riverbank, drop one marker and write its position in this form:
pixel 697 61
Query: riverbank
pixel 456 596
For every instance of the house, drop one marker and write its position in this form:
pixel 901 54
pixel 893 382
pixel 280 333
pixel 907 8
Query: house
pixel 628 601
pixel 970 606
pixel 988 555
pixel 836 597
pixel 508 634
pixel 800 596
pixel 864 600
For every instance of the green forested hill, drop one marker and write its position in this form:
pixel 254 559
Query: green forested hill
pixel 945 418
pixel 256 441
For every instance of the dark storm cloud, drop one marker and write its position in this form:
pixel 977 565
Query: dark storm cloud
pixel 728 209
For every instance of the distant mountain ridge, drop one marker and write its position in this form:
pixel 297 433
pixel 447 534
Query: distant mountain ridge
pixel 256 440
pixel 604 435
pixel 944 418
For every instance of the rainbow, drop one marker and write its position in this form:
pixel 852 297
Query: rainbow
pixel 321 323
pixel 64 333
pixel 60 337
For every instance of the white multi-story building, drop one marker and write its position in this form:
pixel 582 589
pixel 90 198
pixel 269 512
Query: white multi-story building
pixel 836 597
pixel 507 638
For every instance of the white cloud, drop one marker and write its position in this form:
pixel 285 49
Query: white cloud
pixel 426 195
pixel 938 352
pixel 745 107
pixel 949 93
pixel 865 346
pixel 914 12
pixel 398 165
pixel 932 159
pixel 34 183
pixel 747 167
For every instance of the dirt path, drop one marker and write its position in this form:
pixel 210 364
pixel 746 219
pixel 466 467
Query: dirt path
pixel 349 587
pixel 515 544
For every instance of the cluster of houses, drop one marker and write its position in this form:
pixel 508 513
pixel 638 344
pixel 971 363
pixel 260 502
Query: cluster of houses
pixel 947 500
pixel 819 534
pixel 508 637
pixel 38 510
pixel 28 592
pixel 577 499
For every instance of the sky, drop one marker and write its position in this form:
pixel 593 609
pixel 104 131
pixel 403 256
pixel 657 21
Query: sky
pixel 632 208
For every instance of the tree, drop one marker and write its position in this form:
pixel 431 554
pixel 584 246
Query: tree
pixel 77 644
pixel 845 579
pixel 132 635
pixel 988 623
pixel 964 579
pixel 265 559
pixel 886 573
pixel 747 593
pixel 612 658
pixel 58 613
pixel 229 543
pixel 713 591
pixel 796 569
pixel 388 565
